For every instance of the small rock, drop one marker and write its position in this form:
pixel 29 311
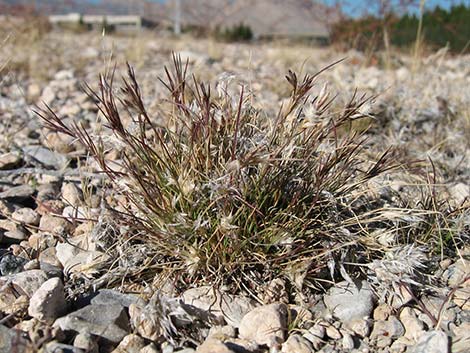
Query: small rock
pixel 71 194
pixel 461 338
pixel 48 302
pixel 49 256
pixel 231 307
pixel 27 282
pixel 46 157
pixel 74 259
pixel 347 342
pixel 431 342
pixel 12 340
pixel 110 296
pixel 144 322
pixel 456 273
pixel 48 95
pixel 211 345
pixel 384 331
pixel 86 342
pixel 414 328
pixel 316 342
pixel 300 316
pixel 17 193
pixel 360 327
pixel 11 264
pixel 57 347
pixel 265 325
pixel 14 236
pixel 333 333
pixel 10 160
pixel 222 332
pixel 348 302
pixel 382 312
pixel 130 344
pixel 151 348
pixel 54 224
pixel 32 265
pixel 26 215
pixel 462 297
pixel 296 344
pixel 107 321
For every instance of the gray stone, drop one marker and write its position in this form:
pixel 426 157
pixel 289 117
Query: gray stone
pixel 233 308
pixel 87 342
pixel 296 344
pixel 48 302
pixel 11 341
pixel 347 342
pixel 27 282
pixel 56 347
pixel 110 296
pixel 265 325
pixel 431 342
pixel 46 157
pixel 17 193
pixel 11 264
pixel 108 321
pixel 348 302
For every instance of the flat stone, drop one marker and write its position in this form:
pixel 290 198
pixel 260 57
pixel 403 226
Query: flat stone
pixel 296 344
pixel 54 224
pixel 130 344
pixel 17 193
pixel 48 302
pixel 57 347
pixel 231 307
pixel 27 282
pixel 26 215
pixel 10 160
pixel 110 296
pixel 46 157
pixel 347 302
pixel 431 342
pixel 107 321
pixel 12 341
pixel 212 345
pixel 74 259
pixel 265 325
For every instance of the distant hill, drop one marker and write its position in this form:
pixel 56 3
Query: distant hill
pixel 267 18
pixel 112 7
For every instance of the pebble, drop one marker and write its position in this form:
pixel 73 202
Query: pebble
pixel 265 325
pixel 348 302
pixel 108 321
pixel 48 302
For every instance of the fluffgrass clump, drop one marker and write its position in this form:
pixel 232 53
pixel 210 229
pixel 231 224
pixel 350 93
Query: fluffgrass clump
pixel 221 192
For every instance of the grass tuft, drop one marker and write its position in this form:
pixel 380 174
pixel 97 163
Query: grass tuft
pixel 220 192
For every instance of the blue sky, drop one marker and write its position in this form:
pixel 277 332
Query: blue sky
pixel 358 7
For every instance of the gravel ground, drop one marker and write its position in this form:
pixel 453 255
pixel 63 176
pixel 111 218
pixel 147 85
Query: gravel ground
pixel 55 292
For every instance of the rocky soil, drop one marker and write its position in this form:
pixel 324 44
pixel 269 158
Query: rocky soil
pixel 56 292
